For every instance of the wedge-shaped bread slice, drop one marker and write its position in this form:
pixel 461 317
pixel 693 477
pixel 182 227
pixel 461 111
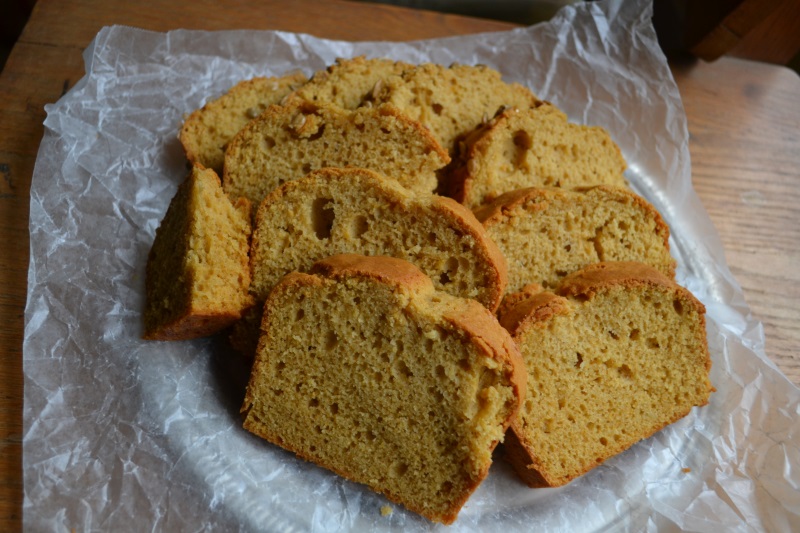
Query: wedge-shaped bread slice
pixel 545 234
pixel 287 142
pixel 348 81
pixel 451 101
pixel 208 130
pixel 533 147
pixel 615 355
pixel 197 272
pixel 333 211
pixel 365 369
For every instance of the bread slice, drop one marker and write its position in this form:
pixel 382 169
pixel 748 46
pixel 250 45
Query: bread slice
pixel 545 234
pixel 614 355
pixel 287 142
pixel 197 272
pixel 451 101
pixel 208 130
pixel 333 211
pixel 365 369
pixel 532 147
pixel 348 81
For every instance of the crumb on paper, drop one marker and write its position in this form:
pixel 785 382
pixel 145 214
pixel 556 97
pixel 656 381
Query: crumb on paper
pixel 387 510
pixel 686 470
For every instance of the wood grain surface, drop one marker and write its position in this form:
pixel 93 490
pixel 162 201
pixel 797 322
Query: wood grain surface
pixel 744 123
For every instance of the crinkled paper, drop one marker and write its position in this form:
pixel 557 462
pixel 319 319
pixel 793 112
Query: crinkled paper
pixel 126 435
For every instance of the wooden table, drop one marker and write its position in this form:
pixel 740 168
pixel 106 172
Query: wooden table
pixel 744 122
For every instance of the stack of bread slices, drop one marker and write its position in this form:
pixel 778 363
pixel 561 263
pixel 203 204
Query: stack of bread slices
pixel 423 262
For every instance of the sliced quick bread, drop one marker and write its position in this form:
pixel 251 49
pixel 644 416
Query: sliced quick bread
pixel 365 369
pixel 615 354
pixel 348 81
pixel 208 130
pixel 451 101
pixel 198 274
pixel 533 147
pixel 333 211
pixel 287 142
pixel 545 234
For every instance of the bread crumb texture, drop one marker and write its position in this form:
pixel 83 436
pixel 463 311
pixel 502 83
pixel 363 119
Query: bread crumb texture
pixel 533 147
pixel 207 131
pixel 287 142
pixel 451 101
pixel 625 357
pixel 365 369
pixel 349 82
pixel 334 211
pixel 545 234
pixel 198 274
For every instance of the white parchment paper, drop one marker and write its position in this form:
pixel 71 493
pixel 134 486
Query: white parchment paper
pixel 126 435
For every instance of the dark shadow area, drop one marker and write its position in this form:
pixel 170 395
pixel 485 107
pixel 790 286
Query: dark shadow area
pixel 14 15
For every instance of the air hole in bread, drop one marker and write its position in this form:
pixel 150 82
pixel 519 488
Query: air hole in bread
pixel 678 306
pixel 360 226
pixel 299 315
pixel 437 108
pixel 269 142
pixel 334 408
pixel 604 441
pixel 331 340
pixel 634 335
pixel 522 140
pixel 322 216
pixel 578 360
pixel 446 488
pixel 625 372
pixel 317 134
pixel 402 369
pixel 306 168
pixel 313 402
pixel 399 468
pixel 613 335
pixel 444 278
pixel 653 343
